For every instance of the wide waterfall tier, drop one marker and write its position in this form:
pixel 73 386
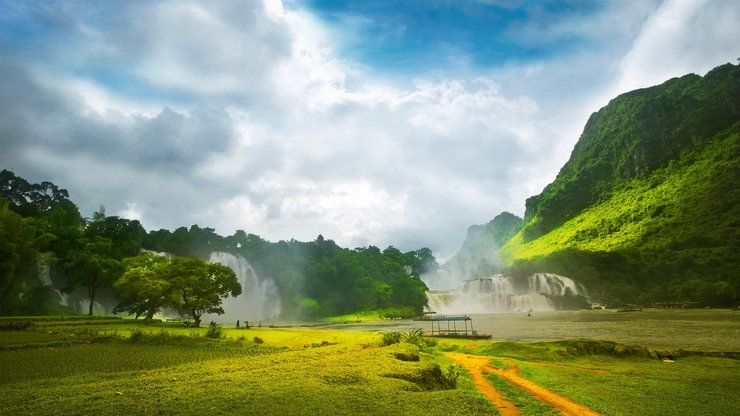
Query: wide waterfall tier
pixel 499 293
pixel 259 300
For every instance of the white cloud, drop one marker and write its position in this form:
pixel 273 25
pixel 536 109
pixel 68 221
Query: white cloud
pixel 131 212
pixel 681 37
pixel 292 141
pixel 241 115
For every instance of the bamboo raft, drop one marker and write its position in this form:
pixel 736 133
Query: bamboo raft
pixel 451 329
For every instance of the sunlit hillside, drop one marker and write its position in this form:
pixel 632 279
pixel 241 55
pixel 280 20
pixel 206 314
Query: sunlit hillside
pixel 647 207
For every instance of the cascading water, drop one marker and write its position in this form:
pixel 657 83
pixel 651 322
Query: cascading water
pixel 500 293
pixel 44 274
pixel 259 299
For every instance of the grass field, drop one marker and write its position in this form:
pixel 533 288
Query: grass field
pixel 131 368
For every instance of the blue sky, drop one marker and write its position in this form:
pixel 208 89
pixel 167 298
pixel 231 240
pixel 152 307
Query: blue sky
pixel 427 36
pixel 370 122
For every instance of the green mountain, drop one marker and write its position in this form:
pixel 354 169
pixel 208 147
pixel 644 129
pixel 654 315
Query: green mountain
pixel 647 208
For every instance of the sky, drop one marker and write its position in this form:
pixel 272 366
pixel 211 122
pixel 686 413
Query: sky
pixel 370 122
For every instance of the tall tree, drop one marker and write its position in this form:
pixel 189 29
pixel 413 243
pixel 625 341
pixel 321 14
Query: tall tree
pixel 200 287
pixel 17 256
pixel 92 267
pixel 143 288
pixel 125 235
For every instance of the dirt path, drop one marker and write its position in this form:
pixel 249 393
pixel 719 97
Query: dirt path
pixel 480 365
pixel 478 368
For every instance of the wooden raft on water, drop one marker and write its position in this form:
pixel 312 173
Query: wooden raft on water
pixel 454 327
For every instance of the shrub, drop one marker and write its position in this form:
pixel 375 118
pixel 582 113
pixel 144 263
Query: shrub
pixel 413 337
pixel 390 338
pixel 450 377
pixel 430 377
pixel 136 335
pixel 215 332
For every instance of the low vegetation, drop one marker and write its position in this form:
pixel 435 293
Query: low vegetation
pixel 613 379
pixel 159 368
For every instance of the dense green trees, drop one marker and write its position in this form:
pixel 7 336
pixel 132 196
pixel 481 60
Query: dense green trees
pixel 93 255
pixel 32 219
pixel 39 224
pixel 19 250
pixel 189 285
pixel 143 288
pixel 319 278
pixel 92 266
pixel 200 287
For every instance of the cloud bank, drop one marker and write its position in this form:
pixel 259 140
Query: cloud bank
pixel 251 114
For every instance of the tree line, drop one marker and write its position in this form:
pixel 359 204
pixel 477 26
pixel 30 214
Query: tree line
pixel 40 227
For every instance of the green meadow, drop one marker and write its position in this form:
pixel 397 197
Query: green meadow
pixel 121 367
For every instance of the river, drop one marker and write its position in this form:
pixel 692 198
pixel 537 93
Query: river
pixel 697 329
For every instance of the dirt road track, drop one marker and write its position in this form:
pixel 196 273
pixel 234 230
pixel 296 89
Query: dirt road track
pixel 478 366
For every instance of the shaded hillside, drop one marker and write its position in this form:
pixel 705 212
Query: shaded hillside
pixel 648 207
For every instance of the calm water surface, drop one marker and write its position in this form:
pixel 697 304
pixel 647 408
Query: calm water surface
pixel 705 329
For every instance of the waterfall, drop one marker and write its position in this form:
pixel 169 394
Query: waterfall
pixel 500 293
pixel 44 274
pixel 259 298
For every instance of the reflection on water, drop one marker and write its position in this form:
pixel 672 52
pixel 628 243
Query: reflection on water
pixel 705 329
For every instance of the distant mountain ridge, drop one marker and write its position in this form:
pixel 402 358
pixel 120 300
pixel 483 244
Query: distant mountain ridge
pixel 478 255
pixel 647 208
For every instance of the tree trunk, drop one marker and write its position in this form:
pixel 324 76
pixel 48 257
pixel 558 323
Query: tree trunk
pixel 196 318
pixel 91 291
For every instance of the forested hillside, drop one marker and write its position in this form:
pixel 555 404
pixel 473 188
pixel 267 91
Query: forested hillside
pixel 47 248
pixel 647 208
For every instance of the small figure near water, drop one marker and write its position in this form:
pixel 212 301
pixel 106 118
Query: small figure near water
pixel 237 324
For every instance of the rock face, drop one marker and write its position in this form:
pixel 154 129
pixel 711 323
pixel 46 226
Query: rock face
pixel 499 293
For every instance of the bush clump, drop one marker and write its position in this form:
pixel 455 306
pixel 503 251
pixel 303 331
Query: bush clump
pixel 431 377
pixel 214 332
pixel 390 338
pixel 136 335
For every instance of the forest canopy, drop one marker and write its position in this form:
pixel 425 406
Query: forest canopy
pixel 47 247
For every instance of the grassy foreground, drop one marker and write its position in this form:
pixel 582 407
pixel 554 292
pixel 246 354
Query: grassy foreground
pixel 131 368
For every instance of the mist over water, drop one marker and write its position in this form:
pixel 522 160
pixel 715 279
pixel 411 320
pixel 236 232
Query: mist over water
pixel 259 300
